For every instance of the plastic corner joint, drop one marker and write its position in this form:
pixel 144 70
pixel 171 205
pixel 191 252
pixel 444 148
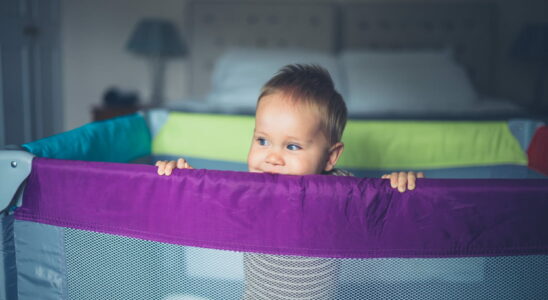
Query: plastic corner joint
pixel 15 166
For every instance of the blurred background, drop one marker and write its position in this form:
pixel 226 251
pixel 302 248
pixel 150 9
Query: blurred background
pixel 66 63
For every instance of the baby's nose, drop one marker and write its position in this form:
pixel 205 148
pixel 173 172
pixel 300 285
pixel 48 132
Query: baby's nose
pixel 274 158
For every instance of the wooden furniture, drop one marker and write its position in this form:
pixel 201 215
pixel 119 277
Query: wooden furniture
pixel 108 112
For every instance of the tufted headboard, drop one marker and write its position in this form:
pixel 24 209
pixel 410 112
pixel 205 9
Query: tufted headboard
pixel 215 26
pixel 468 28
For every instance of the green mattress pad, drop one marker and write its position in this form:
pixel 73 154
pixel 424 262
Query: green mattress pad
pixel 368 144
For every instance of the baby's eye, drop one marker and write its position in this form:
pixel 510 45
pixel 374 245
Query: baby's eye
pixel 262 141
pixel 293 147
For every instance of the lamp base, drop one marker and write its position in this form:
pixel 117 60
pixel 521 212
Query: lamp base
pixel 157 65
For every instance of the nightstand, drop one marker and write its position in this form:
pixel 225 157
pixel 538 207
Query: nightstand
pixel 109 112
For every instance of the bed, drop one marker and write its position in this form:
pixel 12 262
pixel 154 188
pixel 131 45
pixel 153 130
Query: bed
pixel 421 66
pixel 86 217
pixel 389 60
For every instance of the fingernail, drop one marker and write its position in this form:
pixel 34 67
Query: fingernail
pixel 401 190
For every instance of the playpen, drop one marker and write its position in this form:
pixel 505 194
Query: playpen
pixel 86 224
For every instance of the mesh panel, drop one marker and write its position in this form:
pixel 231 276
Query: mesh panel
pixel 102 266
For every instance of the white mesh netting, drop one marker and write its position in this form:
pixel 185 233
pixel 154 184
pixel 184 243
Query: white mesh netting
pixel 102 266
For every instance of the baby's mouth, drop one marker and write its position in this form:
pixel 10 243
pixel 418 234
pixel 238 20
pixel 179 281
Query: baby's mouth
pixel 266 172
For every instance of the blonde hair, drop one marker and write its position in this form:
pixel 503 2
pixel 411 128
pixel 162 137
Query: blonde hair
pixel 312 85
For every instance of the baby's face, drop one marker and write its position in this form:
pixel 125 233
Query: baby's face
pixel 288 138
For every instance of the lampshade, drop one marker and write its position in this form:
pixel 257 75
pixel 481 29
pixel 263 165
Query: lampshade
pixel 156 37
pixel 532 43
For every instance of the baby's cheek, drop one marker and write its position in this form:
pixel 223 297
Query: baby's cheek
pixel 301 167
pixel 250 166
pixel 250 158
pixel 253 161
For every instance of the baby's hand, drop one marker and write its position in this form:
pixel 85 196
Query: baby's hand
pixel 403 180
pixel 166 167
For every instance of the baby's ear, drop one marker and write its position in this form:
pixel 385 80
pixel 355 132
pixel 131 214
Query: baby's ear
pixel 333 156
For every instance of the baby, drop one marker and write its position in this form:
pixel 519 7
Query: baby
pixel 299 122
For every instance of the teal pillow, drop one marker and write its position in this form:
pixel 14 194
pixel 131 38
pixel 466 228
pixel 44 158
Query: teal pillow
pixel 121 139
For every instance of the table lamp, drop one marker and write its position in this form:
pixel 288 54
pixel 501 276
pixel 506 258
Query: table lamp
pixel 531 46
pixel 157 40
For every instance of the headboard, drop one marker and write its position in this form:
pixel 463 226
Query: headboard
pixel 469 28
pixel 216 26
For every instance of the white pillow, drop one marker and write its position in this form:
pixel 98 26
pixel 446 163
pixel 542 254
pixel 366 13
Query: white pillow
pixel 403 89
pixel 240 73
pixel 418 81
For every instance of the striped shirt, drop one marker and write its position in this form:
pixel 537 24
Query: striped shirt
pixel 273 277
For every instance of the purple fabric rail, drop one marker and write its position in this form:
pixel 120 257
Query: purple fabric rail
pixel 315 215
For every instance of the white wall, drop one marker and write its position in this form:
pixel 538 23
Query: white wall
pixel 94 33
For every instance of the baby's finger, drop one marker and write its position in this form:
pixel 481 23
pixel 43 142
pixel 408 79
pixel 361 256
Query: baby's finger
pixel 385 176
pixel 181 163
pixel 169 167
pixel 411 178
pixel 394 179
pixel 161 167
pixel 420 175
pixel 402 181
